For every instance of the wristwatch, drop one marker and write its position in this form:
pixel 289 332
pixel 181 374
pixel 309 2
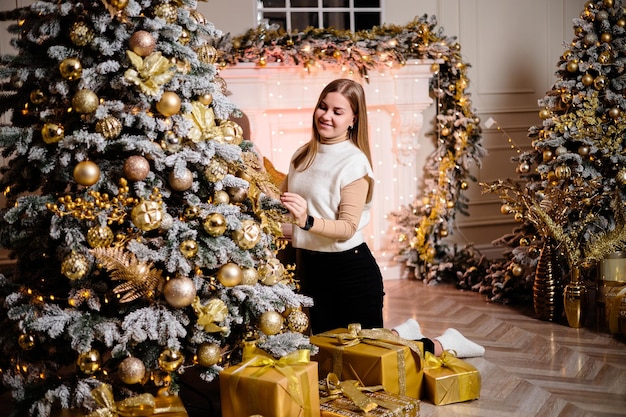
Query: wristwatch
pixel 309 223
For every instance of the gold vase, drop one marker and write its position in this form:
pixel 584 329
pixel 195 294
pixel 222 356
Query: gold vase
pixel 575 299
pixel 547 285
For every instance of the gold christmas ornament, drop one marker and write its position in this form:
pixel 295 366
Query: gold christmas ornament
pixel 184 37
pixel 110 127
pixel 517 270
pixel 207 54
pixel 52 133
pixel 119 4
pixel 222 84
pixel 544 113
pixel 86 173
pixel 167 12
pixel 147 215
pixel 181 183
pixel 547 155
pixel 563 172
pixel 26 341
pixel 506 209
pixel 81 34
pixel 237 194
pixel 583 150
pixel 191 213
pixel 216 170
pixel 271 272
pixel 136 168
pixel 560 150
pixel 179 292
pixel 587 80
pixel 100 236
pixel 197 16
pixel 271 322
pixel 298 321
pixel 169 104
pixel 620 177
pixel 524 167
pixel 71 68
pixel 248 235
pixel 170 142
pixel 89 362
pixel 206 99
pixel 189 248
pixel 615 112
pixel 142 43
pixel 75 266
pixel 182 65
pixel 208 354
pixel 250 276
pixel 230 275
pixel 232 133
pixel 215 224
pixel 170 360
pixel 572 66
pixel 38 97
pixel 600 82
pixel 131 371
pixel 221 197
pixel 85 101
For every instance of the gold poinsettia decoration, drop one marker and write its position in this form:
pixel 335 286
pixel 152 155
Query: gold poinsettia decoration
pixel 140 278
pixel 211 313
pixel 150 73
pixel 203 119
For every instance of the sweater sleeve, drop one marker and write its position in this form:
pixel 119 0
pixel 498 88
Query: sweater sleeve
pixel 353 198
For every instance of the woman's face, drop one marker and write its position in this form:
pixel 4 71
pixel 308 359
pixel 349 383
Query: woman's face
pixel 333 117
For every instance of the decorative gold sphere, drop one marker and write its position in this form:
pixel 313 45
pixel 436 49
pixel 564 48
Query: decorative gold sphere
pixel 167 12
pixel 170 360
pixel 221 197
pixel 100 236
pixel 110 127
pixel 583 150
pixel 136 168
pixel 621 22
pixel 189 248
pixel 119 4
pixel 271 272
pixel 81 34
pixel 86 173
pixel 26 341
pixel 230 274
pixel 75 266
pixel 298 321
pixel 517 270
pixel 572 65
pixel 587 80
pixel 182 183
pixel 179 292
pixel 524 241
pixel 147 215
pixel 216 170
pixel 142 43
pixel 250 276
pixel 606 37
pixel 89 362
pixel 524 167
pixel 519 217
pixel 620 177
pixel 208 354
pixel 547 155
pixel 215 224
pixel 85 101
pixel 197 16
pixel 206 99
pixel 52 133
pixel 506 209
pixel 71 68
pixel 169 104
pixel 271 322
pixel 131 371
pixel 248 235
pixel 38 96
pixel 237 194
pixel 170 142
pixel 207 54
pixel 191 213
pixel 600 82
pixel 544 113
pixel 615 112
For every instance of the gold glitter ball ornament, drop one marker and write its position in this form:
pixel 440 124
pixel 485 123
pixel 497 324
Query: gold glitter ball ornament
pixel 81 34
pixel 89 362
pixel 169 104
pixel 207 54
pixel 248 235
pixel 85 101
pixel 215 224
pixel 181 183
pixel 230 274
pixel 298 321
pixel 179 292
pixel 86 173
pixel 110 127
pixel 189 248
pixel 167 12
pixel 142 43
pixel 170 360
pixel 100 236
pixel 197 16
pixel 131 371
pixel 26 341
pixel 71 68
pixel 75 266
pixel 147 215
pixel 208 354
pixel 216 170
pixel 271 272
pixel 136 168
pixel 271 322
pixel 221 197
pixel 52 133
pixel 250 276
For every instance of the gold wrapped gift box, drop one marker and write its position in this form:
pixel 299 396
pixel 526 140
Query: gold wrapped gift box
pixel 164 406
pixel 287 387
pixel 448 379
pixel 399 406
pixel 372 357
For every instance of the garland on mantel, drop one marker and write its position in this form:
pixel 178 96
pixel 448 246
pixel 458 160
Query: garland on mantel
pixel 456 127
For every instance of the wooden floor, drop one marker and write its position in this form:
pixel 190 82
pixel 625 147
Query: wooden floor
pixel 531 367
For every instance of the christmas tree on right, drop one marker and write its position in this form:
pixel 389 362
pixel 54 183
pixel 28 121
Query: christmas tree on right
pixel 569 198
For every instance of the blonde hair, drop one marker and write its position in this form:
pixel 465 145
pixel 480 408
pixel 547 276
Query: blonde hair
pixel 358 134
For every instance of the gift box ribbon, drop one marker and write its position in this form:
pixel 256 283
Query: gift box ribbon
pixel 333 388
pixel 448 360
pixel 138 406
pixel 614 310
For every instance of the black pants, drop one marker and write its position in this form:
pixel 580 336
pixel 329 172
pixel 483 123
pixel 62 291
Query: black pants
pixel 346 287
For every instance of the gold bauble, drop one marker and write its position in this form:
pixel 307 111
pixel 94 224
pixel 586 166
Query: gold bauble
pixel 100 236
pixel 75 266
pixel 191 213
pixel 52 133
pixel 167 12
pixel 563 172
pixel 208 354
pixel 464 185
pixel 271 322
pixel 237 194
pixel 136 168
pixel 600 82
pixel 179 292
pixel 607 3
pixel 248 235
pixel 142 43
pixel 587 80
pixel 169 104
pixel 184 37
pixel 560 150
pixel 183 66
pixel 89 362
pixel 170 142
pixel 517 270
pixel 189 248
pixel 216 170
pixel 181 183
pixel 572 66
pixel 230 275
pixel 215 224
pixel 119 4
pixel 221 197
pixel 86 173
pixel 221 83
pixel 71 68
pixel 85 101
pixel 544 113
pixel 147 215
pixel 606 37
pixel 620 177
pixel 519 217
pixel 131 371
pixel 26 341
pixel 38 96
pixel 170 360
pixel 583 150
pixel 298 321
pixel 81 34
pixel 207 54
pixel 621 23
pixel 614 112
pixel 506 209
pixel 547 155
pixel 443 232
pixel 524 241
pixel 271 272
pixel 524 167
pixel 250 276
pixel 197 16
pixel 110 127
pixel 206 99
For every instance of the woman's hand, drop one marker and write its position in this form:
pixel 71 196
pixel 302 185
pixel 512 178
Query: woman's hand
pixel 296 205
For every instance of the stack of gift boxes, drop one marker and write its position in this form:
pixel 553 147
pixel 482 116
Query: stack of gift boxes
pixel 611 293
pixel 357 372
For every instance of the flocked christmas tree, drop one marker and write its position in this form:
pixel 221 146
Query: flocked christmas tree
pixel 144 235
pixel 570 193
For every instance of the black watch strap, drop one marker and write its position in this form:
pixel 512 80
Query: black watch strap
pixel 309 223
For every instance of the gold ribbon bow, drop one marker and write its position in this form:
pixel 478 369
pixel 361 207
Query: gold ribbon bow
pixel 140 405
pixel 446 360
pixel 452 377
pixel 333 388
pixel 614 310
